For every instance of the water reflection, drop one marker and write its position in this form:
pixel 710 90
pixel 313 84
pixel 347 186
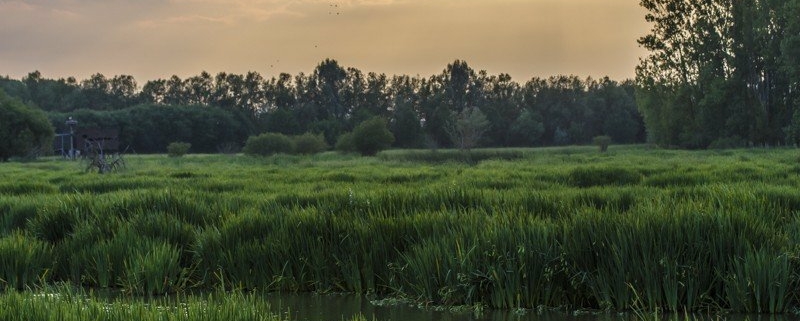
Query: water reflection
pixel 310 307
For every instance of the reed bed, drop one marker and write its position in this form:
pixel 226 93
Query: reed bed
pixel 631 228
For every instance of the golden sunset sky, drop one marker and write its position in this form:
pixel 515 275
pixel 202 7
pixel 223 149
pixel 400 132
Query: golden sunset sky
pixel 152 39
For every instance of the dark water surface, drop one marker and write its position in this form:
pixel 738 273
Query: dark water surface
pixel 311 307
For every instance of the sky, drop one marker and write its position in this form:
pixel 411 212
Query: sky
pixel 152 39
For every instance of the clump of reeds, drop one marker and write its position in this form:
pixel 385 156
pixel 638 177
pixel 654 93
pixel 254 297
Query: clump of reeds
pixel 24 261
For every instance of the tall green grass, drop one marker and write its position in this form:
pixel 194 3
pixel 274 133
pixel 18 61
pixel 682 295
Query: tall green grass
pixel 24 261
pixel 71 306
pixel 632 228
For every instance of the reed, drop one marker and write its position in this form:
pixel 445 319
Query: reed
pixel 24 261
pixel 71 306
pixel 568 227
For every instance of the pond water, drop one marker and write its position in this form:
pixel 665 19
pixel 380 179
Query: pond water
pixel 333 307
pixel 310 307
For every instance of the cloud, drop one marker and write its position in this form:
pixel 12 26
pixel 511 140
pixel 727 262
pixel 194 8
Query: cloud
pixel 219 12
pixel 10 9
pixel 157 38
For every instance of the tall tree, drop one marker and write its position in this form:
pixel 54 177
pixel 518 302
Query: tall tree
pixel 715 71
pixel 502 104
pixel 468 128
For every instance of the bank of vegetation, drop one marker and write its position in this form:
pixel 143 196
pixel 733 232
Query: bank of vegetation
pixel 559 227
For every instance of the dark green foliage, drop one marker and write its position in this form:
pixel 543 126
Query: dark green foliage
pixel 468 127
pixel 24 131
pixel 346 144
pixel 526 130
pixel 309 144
pixel 227 107
pixel 268 144
pixel 406 128
pixel 728 80
pixel 150 128
pixel 178 149
pixel 372 136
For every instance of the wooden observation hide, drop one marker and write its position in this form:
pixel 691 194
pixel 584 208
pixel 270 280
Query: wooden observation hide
pixel 94 140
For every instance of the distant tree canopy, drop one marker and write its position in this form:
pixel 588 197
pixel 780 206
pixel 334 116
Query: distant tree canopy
pixel 207 110
pixel 23 130
pixel 721 72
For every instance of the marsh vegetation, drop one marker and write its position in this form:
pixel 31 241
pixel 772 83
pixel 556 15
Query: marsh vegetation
pixel 631 228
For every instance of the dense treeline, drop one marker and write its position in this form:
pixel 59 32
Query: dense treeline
pixel 148 128
pixel 333 100
pixel 721 73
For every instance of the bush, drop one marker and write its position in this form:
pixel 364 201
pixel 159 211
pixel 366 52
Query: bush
pixel 602 142
pixel 372 136
pixel 24 131
pixel 178 149
pixel 309 144
pixel 268 144
pixel 345 143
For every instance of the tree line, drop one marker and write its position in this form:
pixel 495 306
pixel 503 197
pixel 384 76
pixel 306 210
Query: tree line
pixel 333 100
pixel 721 73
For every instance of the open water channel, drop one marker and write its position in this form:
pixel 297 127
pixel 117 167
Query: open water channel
pixel 310 307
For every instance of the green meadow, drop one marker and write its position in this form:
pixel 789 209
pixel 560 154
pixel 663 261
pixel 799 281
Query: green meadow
pixel 633 228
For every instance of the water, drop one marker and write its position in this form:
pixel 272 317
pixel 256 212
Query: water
pixel 310 307
pixel 332 307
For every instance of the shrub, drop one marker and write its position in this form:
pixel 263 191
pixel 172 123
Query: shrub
pixel 602 142
pixel 268 144
pixel 345 143
pixel 24 131
pixel 178 149
pixel 309 143
pixel 372 136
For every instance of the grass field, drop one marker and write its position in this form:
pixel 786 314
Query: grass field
pixel 634 228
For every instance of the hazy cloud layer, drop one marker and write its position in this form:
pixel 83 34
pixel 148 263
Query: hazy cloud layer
pixel 157 38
